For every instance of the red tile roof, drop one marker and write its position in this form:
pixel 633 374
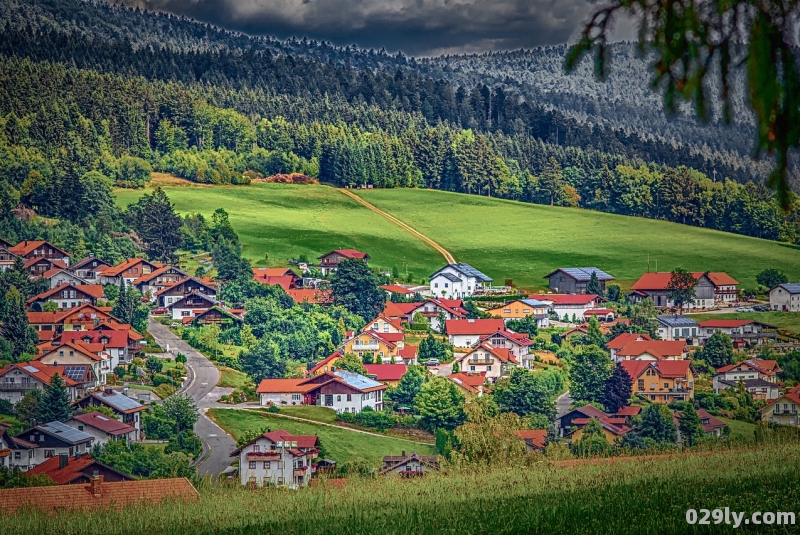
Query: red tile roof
pixel 333 356
pixel 283 386
pixel 658 348
pixel 469 381
pixel 502 353
pixel 397 289
pixel 477 326
pixel 598 312
pixel 110 495
pixel 672 368
pixel 534 437
pixel 565 299
pixel 153 274
pixel 113 271
pixel 625 338
pixel 116 338
pixel 26 247
pixel 386 372
pixel 272 272
pixel 454 307
pixel 42 372
pixel 311 295
pixel 104 423
pixel 629 411
pixel 74 469
pixel 518 338
pixel 660 280
pixel 347 253
pixel 284 281
pixel 719 278
pixel 43 317
pixel 408 352
pixel 94 290
pixel 767 366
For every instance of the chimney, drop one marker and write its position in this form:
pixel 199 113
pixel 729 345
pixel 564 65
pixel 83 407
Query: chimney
pixel 403 453
pixel 63 460
pixel 97 486
pixel 269 430
pixel 109 391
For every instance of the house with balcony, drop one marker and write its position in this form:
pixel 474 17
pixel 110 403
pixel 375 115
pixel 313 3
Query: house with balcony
pixel 36 267
pixel 191 305
pixel 661 381
pixel 329 262
pixel 433 309
pixel 575 280
pixel 59 276
pixel 457 281
pixel 759 377
pixel 7 258
pixel 79 469
pixel 129 270
pixel 67 296
pixel 340 390
pixel 50 440
pixel 36 249
pixel 523 308
pixel 518 344
pixel 713 288
pixel 16 379
pixel 126 409
pixel 468 332
pixel 741 332
pixel 78 353
pixel 678 327
pixel 782 410
pixel 488 360
pixel 116 343
pixel 568 305
pixel 174 293
pixel 631 346
pixel 158 280
pixel 103 428
pixel 785 297
pixel 277 458
pixel 88 268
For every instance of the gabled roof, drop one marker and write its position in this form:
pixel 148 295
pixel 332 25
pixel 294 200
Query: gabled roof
pixel 791 287
pixel 386 372
pixel 408 352
pixel 347 253
pixel 113 271
pixel 117 494
pixel 454 307
pixel 391 462
pixel 102 422
pixel 117 401
pixel 676 320
pixel 280 435
pixel 565 299
pixel 94 290
pixel 259 272
pixel 657 348
pixel 533 437
pixel 583 274
pixel 42 372
pixel 477 327
pixel 628 411
pixel 503 354
pixel 518 338
pixel 357 380
pixel 660 280
pixel 467 270
pixel 283 386
pixel 731 324
pixel 394 322
pixel 217 308
pixel 400 309
pixel 311 295
pixel 792 395
pixel 206 284
pixel 397 289
pixel 116 338
pixel 80 263
pixel 210 301
pixel 89 350
pixel 766 366
pixel 284 281
pixel 157 273
pixel 73 470
pixel 52 272
pixel 664 368
pixel 333 356
pixel 61 431
pixel 26 247
pixel 469 381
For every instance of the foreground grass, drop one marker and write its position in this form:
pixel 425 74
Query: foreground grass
pixel 285 221
pixel 789 321
pixel 525 242
pixel 639 495
pixel 339 444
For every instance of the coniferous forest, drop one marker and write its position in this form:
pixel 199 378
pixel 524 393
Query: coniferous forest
pixel 93 95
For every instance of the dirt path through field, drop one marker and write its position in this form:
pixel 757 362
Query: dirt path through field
pixel 444 252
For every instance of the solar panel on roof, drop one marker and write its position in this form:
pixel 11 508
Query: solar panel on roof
pixel 356 380
pixel 585 273
pixel 65 432
pixel 75 373
pixel 31 369
pixel 119 401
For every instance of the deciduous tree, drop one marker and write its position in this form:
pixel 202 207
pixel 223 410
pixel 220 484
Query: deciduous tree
pixel 617 390
pixel 355 287
pixel 440 404
pixel 590 370
pixel 718 350
pixel 680 288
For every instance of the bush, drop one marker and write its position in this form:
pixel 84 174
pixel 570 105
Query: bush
pixel 273 408
pixel 164 391
pixel 161 379
pixel 6 407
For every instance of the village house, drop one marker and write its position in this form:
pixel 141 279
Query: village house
pixel 329 262
pixel 456 281
pixel 661 381
pixel 16 379
pixel 88 268
pixel 568 305
pixel 583 328
pixel 277 458
pixel 218 315
pixel 467 332
pixel 7 258
pixel 397 290
pixel 403 312
pixel 67 296
pixel 383 324
pixel 63 469
pixel 6 454
pixel 78 353
pixel 758 376
pixel 640 347
pixel 712 289
pixel 191 305
pixel 97 494
pixel 782 410
pixel 126 409
pixel 566 422
pixel 518 344
pixel 523 308
pixel 575 280
pixel 410 465
pixel 387 374
pixel 603 315
pixel 52 439
pixel 711 425
pixel 433 309
pixel 129 270
pixel 785 297
pixel 677 327
pixel 158 280
pixel 340 390
pixel 59 276
pixel 283 277
pixel 36 267
pixel 382 345
pixel 120 344
pixel 614 428
pixel 473 384
pixel 328 364
pixel 495 362
pixel 535 439
pixel 323 297
pixel 741 332
pixel 103 428
pixel 40 249
pixel 174 293
pixel 84 317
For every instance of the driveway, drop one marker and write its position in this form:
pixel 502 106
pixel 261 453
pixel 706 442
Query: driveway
pixel 201 387
pixel 562 404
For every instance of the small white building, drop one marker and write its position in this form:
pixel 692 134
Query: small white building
pixel 456 281
pixel 569 305
pixel 785 297
pixel 468 332
pixel 677 327
pixel 340 390
pixel 103 428
pixel 58 277
pixel 191 305
pixel 277 458
pixel 490 361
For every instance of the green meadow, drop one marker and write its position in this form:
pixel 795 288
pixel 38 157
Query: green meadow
pixel 505 239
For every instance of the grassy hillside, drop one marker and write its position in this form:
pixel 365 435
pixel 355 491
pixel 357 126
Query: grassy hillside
pixel 508 239
pixel 339 444
pixel 285 221
pixel 505 239
pixel 645 495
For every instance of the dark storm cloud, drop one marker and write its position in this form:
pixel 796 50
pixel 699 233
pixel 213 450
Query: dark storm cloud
pixel 419 27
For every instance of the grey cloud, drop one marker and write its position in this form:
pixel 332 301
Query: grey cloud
pixel 418 27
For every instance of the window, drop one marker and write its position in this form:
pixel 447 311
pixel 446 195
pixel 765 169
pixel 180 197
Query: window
pixel 280 465
pixel 80 428
pixel 472 368
pixel 252 465
pixel 526 310
pixel 41 437
pixel 339 397
pixel 488 368
pixel 640 384
pixel 256 448
pixel 446 285
pixel 185 313
pixel 49 453
pixel 297 397
pixel 666 385
pixel 17 455
pixel 329 400
pixel 435 284
pixel 507 311
pixel 280 481
pixel 266 465
pixel 349 397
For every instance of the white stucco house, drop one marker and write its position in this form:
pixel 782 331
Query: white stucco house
pixel 785 297
pixel 456 281
pixel 277 458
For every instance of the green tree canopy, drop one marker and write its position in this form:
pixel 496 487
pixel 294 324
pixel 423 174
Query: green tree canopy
pixel 680 288
pixel 355 287
pixel 617 390
pixel 263 361
pixel 154 219
pixel 522 393
pixel 690 426
pixel 440 404
pixel 770 278
pixel 352 363
pixel 55 403
pixel 718 351
pixel 591 368
pixel 409 386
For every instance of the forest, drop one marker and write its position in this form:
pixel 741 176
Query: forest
pixel 81 111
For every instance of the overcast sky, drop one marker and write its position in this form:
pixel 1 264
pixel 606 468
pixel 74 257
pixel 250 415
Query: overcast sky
pixel 416 27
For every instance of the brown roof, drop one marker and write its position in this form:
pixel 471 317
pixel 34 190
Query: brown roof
pixel 108 495
pixel 94 290
pixel 534 437
pixel 24 248
pixel 113 271
pixel 104 423
pixel 657 348
pixel 73 470
pixel 477 327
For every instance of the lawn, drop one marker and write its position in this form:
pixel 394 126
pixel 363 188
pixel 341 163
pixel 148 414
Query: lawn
pixel 789 321
pixel 647 495
pixel 339 444
pixel 525 242
pixel 286 221
pixel 230 378
pixel 740 429
pixel 318 414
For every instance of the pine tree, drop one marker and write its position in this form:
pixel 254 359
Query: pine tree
pixel 456 369
pixel 593 286
pixel 15 327
pixel 55 404
pixel 593 333
pixel 690 426
pixel 617 391
pixel 122 307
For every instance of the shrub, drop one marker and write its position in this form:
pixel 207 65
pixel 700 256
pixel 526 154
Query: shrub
pixel 161 379
pixel 164 391
pixel 273 408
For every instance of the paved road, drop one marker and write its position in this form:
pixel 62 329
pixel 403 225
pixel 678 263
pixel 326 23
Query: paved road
pixel 203 377
pixel 562 404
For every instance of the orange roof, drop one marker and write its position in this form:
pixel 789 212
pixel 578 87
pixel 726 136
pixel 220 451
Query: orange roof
pixel 478 327
pixel 535 437
pixel 397 289
pixel 408 352
pixel 665 368
pixel 391 310
pixel 74 469
pixel 329 358
pixel 42 317
pixel 386 372
pixel 153 274
pixel 283 386
pixel 272 272
pixel 26 247
pixel 720 278
pixel 89 350
pixel 394 322
pixel 347 253
pixel 502 353
pixel 107 495
pixel 660 280
pixel 629 411
pixel 469 381
pixel 42 372
pixel 284 281
pixel 657 348
pixel 310 295
pixel 113 271
pixel 565 299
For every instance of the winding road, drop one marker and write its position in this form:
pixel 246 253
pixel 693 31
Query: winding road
pixel 203 377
